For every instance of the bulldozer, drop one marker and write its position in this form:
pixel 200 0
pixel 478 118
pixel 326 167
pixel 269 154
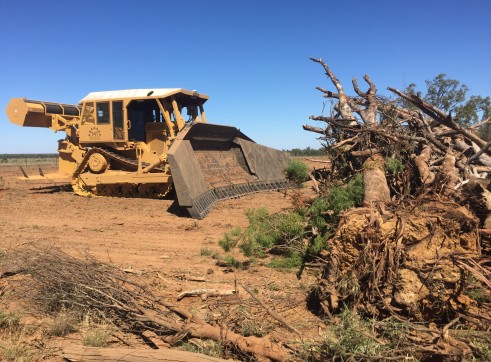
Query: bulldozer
pixel 146 142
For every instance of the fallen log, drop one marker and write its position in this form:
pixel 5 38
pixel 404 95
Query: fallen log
pixel 205 293
pixel 82 353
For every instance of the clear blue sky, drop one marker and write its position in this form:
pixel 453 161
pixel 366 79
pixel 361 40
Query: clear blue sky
pixel 250 57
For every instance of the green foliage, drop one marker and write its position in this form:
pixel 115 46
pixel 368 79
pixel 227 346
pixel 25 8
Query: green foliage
pixel 266 231
pixel 355 337
pixel 355 189
pixel 318 211
pixel 393 165
pixel 395 332
pixel 351 336
pixel 341 198
pixel 478 294
pixel 292 261
pixel 230 239
pixel 297 171
pixel 28 155
pixel 278 233
pixel 284 233
pixel 316 244
pixel 477 108
pixel 450 96
pixel 231 262
pixel 476 290
pixel 446 94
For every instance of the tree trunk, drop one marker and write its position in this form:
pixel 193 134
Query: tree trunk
pixel 375 188
pixel 450 173
pixel 422 163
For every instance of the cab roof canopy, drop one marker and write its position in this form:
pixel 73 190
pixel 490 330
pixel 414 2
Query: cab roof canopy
pixel 141 94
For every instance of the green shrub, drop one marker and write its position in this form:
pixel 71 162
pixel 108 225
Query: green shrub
pixel 316 244
pixel 230 239
pixel 294 260
pixel 351 336
pixel 318 211
pixel 341 198
pixel 355 189
pixel 393 165
pixel 265 232
pixel 231 262
pixel 478 294
pixel 297 171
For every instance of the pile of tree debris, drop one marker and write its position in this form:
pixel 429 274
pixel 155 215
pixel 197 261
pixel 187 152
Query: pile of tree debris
pixel 416 248
pixel 54 281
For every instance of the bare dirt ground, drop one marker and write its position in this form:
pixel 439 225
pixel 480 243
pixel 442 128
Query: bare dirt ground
pixel 152 237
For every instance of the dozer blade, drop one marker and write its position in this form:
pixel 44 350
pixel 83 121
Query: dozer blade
pixel 212 162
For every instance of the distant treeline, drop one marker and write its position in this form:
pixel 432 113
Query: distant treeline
pixel 307 152
pixel 28 155
pixel 15 158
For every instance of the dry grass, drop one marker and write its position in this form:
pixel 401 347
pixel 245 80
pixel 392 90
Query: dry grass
pixel 64 323
pixel 14 348
pixel 9 320
pixel 97 336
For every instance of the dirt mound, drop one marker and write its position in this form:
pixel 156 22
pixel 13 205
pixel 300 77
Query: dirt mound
pixel 407 261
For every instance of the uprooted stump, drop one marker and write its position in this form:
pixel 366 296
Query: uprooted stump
pixel 408 261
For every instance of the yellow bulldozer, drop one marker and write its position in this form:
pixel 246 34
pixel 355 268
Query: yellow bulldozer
pixel 143 142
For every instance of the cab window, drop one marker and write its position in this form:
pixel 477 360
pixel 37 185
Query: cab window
pixel 88 113
pixel 103 113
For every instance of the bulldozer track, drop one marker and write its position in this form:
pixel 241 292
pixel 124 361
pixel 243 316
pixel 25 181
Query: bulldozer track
pixel 203 203
pixel 127 162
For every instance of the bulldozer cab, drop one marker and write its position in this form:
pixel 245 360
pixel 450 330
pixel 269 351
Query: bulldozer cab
pixel 125 117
